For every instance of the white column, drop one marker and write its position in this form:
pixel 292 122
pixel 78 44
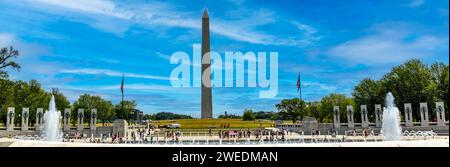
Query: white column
pixel 10 119
pixel 424 114
pixel 364 117
pixel 93 119
pixel 80 117
pixel 440 113
pixel 408 115
pixel 66 121
pixel 25 117
pixel 378 115
pixel 39 118
pixel 350 119
pixel 336 117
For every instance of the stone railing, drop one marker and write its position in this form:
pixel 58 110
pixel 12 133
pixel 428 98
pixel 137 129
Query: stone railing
pixel 39 120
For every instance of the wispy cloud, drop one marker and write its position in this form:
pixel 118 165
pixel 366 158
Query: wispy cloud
pixel 6 39
pixel 101 7
pixel 388 43
pixel 90 71
pixel 100 88
pixel 139 87
pixel 416 3
pixel 319 86
pixel 162 55
pixel 118 17
pixel 25 48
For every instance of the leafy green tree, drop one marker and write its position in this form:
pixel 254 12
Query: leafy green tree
pixel 368 92
pixel 36 97
pixel 292 109
pixel 230 116
pixel 248 115
pixel 7 97
pixel 315 110
pixel 19 94
pixel 266 115
pixel 410 83
pixel 333 99
pixel 5 61
pixel 105 109
pixel 60 100
pixel 127 110
pixel 440 83
pixel 169 116
pixel 21 91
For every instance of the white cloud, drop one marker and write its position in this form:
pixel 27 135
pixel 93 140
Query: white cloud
pixel 162 55
pixel 416 3
pixel 102 7
pixel 316 86
pixel 6 39
pixel 25 48
pixel 309 34
pixel 388 43
pixel 90 71
pixel 118 17
pixel 138 87
pixel 30 60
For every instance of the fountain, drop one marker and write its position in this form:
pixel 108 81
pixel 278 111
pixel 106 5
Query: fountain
pixel 390 128
pixel 52 126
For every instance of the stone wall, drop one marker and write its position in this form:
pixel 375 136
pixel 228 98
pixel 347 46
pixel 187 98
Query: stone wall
pixel 325 127
pixel 105 130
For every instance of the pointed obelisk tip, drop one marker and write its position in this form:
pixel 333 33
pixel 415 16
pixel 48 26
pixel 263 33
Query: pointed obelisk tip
pixel 205 14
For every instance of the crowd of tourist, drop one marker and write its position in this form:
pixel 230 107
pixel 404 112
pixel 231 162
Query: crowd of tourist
pixel 149 134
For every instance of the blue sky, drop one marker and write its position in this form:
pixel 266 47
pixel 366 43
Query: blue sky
pixel 84 46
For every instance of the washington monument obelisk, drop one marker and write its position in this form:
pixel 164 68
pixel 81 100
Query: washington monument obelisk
pixel 206 70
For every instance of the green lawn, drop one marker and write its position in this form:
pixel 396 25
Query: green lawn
pixel 208 123
pixel 215 123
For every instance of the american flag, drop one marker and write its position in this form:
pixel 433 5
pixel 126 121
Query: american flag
pixel 121 85
pixel 298 83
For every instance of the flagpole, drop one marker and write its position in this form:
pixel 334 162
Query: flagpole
pixel 300 86
pixel 300 91
pixel 123 112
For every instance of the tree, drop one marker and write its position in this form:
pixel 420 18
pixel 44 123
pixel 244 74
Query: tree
pixel 230 116
pixel 19 94
pixel 168 116
pixel 328 102
pixel 248 115
pixel 368 92
pixel 105 111
pixel 410 83
pixel 35 97
pixel 128 109
pixel 440 83
pixel 291 108
pixel 266 115
pixel 314 109
pixel 7 97
pixel 5 61
pixel 60 100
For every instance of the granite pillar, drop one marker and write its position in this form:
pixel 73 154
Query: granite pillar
pixel 408 115
pixel 364 117
pixel 25 118
pixel 378 115
pixel 336 117
pixel 424 121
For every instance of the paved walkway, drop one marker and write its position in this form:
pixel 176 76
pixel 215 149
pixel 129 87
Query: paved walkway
pixel 441 142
